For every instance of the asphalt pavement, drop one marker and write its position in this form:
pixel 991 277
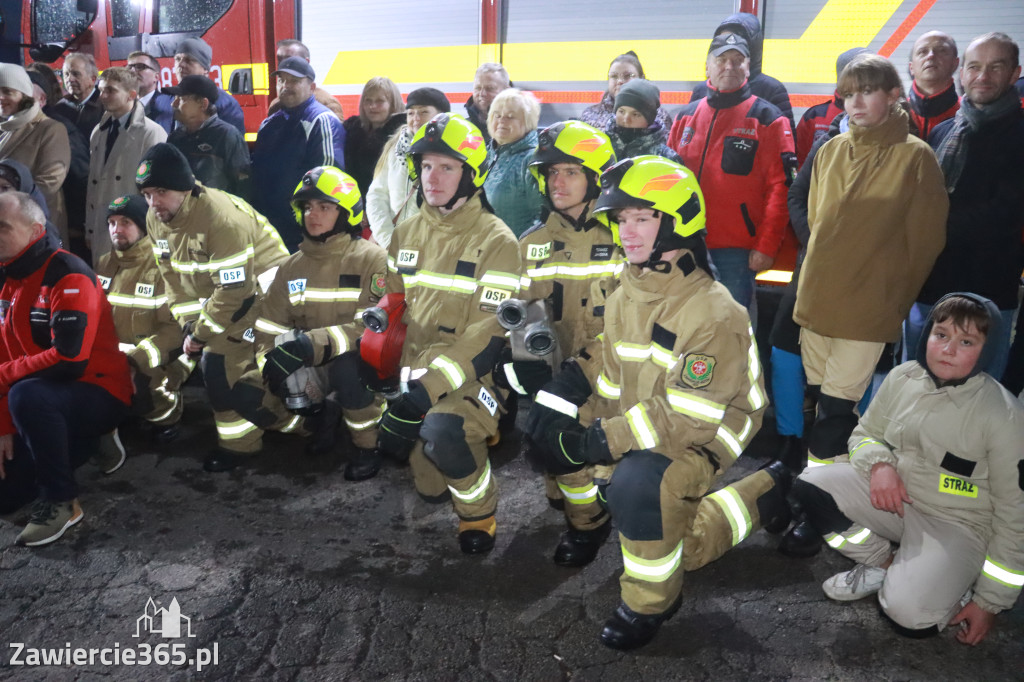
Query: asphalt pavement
pixel 283 570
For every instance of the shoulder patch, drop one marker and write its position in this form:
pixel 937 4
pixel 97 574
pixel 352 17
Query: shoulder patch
pixel 378 283
pixel 698 370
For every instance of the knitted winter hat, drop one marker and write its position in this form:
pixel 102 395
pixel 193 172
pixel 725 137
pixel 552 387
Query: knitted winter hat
pixel 847 57
pixel 198 49
pixel 428 97
pixel 642 95
pixel 133 207
pixel 16 78
pixel 165 166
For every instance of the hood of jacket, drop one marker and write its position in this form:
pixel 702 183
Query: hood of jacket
pixel 26 183
pixel 995 320
pixel 747 26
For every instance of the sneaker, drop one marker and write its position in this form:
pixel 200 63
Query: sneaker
pixel 110 455
pixel 48 522
pixel 859 582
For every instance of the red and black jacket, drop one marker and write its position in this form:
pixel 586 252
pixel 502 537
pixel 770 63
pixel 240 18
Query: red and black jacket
pixel 55 323
pixel 814 125
pixel 929 112
pixel 741 149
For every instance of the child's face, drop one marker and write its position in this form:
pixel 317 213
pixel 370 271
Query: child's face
pixel 952 352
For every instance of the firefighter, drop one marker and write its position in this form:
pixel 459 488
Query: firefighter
pixel 147 332
pixel 454 262
pixel 320 293
pixel 677 366
pixel 570 259
pixel 210 247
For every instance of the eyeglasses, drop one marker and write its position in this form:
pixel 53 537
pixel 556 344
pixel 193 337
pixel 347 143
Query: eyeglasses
pixel 141 67
pixel 623 77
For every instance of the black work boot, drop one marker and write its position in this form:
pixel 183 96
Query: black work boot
pixel 802 540
pixel 627 629
pixel 792 454
pixel 364 463
pixel 773 507
pixel 578 548
pixel 161 434
pixel 477 537
pixel 323 426
pixel 221 460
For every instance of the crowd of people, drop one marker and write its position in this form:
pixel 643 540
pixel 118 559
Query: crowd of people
pixel 636 231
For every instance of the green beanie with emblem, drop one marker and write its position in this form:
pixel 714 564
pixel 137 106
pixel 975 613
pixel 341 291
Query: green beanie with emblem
pixel 133 207
pixel 165 166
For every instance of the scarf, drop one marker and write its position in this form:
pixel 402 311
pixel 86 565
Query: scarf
pixel 404 142
pixel 952 151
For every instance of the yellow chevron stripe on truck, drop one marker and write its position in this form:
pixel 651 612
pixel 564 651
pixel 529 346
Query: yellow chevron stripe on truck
pixel 839 25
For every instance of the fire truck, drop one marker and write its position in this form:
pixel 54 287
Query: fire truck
pixel 559 50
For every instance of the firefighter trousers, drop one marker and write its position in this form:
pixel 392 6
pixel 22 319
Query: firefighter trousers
pixel 224 362
pixel 158 391
pixel 668 523
pixel 935 564
pixel 360 407
pixel 451 454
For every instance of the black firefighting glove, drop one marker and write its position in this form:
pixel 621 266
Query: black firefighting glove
pixel 400 425
pixel 556 398
pixel 286 359
pixel 571 447
pixel 525 377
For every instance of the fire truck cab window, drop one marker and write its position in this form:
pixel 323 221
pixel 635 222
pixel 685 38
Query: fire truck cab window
pixel 55 20
pixel 124 15
pixel 178 16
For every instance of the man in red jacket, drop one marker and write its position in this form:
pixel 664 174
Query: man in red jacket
pixel 63 381
pixel 741 149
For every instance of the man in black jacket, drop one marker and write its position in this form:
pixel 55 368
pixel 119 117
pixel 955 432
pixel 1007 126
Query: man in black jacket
pixel 980 151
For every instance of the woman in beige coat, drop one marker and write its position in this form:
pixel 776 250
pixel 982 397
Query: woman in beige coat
pixel 29 136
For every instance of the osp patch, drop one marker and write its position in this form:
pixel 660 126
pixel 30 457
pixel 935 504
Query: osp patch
pixel 698 370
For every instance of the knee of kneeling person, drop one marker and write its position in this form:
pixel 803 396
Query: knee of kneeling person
pixel 444 444
pixel 906 616
pixel 27 395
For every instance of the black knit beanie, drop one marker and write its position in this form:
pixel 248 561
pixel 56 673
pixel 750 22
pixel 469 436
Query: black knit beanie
pixel 642 95
pixel 133 207
pixel 428 97
pixel 165 166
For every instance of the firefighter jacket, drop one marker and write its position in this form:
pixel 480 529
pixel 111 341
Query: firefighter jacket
pixel 741 149
pixel 575 267
pixel 678 356
pixel 960 453
pixel 55 323
pixel 323 290
pixel 877 215
pixel 928 112
pixel 454 271
pixel 210 255
pixel 147 332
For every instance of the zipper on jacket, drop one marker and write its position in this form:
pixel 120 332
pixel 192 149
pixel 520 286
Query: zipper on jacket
pixel 707 143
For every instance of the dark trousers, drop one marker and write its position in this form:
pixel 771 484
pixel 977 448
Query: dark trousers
pixel 58 427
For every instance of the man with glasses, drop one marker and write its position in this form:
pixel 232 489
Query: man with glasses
pixel 490 79
pixel 155 102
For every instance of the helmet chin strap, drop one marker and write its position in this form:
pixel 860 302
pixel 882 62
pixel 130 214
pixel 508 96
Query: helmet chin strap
pixel 466 188
pixel 656 261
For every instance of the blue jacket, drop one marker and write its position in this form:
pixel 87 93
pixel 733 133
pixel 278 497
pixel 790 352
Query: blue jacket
pixel 289 143
pixel 159 110
pixel 510 188
pixel 229 110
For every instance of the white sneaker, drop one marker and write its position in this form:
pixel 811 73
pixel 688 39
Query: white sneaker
pixel 859 582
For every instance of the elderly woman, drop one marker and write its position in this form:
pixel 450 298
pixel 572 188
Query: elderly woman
pixel 623 69
pixel 637 130
pixel 29 136
pixel 510 187
pixel 391 198
pixel 381 113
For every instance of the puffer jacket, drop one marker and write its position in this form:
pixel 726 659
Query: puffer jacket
pixel 454 270
pixel 510 187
